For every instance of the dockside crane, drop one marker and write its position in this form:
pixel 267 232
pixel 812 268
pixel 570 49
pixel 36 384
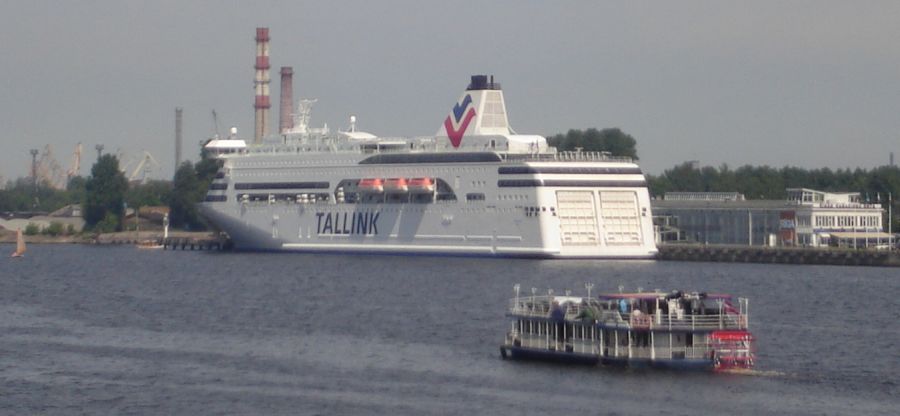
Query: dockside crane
pixel 143 168
pixel 75 168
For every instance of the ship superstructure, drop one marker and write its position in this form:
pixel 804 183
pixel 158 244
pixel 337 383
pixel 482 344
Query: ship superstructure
pixel 475 188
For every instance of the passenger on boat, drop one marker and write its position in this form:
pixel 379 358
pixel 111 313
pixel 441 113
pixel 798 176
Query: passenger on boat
pixel 556 312
pixel 558 315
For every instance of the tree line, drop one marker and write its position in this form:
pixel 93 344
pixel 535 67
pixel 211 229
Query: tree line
pixel 765 182
pixel 105 194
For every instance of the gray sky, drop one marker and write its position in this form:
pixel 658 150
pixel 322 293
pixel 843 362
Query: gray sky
pixel 804 83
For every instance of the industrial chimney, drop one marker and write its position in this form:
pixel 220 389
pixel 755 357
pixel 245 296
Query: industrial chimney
pixel 177 137
pixel 286 121
pixel 261 84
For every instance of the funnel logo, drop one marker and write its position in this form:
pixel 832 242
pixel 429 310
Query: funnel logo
pixel 457 123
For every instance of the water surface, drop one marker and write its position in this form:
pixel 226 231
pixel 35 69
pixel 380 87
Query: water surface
pixel 118 330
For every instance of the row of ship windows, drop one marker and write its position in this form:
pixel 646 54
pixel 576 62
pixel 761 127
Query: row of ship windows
pixel 398 198
pixel 501 170
pixel 357 171
pixel 386 198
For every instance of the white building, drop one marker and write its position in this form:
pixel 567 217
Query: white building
pixel 837 219
pixel 806 218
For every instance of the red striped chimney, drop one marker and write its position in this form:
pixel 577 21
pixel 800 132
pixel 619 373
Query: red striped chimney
pixel 286 121
pixel 261 84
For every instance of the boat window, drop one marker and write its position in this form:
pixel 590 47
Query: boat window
pixel 475 197
pixel 531 183
pixel 569 170
pixel 301 198
pixel 215 198
pixel 282 185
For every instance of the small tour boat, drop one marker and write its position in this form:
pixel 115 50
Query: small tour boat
pixel 149 244
pixel 644 329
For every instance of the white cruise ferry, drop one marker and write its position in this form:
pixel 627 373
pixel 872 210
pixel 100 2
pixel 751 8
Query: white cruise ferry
pixel 475 188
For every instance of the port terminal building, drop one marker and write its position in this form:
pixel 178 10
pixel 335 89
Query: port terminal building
pixel 807 218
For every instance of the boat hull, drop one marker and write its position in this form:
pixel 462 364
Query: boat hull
pixel 666 364
pixel 478 209
pixel 532 354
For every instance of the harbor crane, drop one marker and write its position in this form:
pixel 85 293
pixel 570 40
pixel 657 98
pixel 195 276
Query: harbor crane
pixel 48 170
pixel 75 169
pixel 143 168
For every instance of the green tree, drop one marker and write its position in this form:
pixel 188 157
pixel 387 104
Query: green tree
pixel 105 195
pixel 31 229
pixel 612 140
pixel 54 229
pixel 152 193
pixel 186 192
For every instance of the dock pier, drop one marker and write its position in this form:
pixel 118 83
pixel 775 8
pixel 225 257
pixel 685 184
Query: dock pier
pixel 193 243
pixel 777 255
pixel 179 240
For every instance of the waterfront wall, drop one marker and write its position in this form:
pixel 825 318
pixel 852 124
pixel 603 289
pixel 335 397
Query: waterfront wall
pixel 780 255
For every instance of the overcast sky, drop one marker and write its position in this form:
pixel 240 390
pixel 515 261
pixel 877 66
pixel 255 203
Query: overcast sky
pixel 803 83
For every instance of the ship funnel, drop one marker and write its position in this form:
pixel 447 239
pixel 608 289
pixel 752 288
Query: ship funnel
pixel 480 111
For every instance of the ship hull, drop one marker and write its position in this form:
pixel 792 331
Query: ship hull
pixel 494 210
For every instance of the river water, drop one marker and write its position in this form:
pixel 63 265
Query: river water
pixel 116 330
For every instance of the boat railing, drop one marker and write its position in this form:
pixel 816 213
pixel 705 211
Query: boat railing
pixel 542 306
pixel 563 157
pixel 674 321
pixel 345 147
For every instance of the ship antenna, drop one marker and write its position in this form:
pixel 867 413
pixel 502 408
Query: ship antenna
pixel 589 286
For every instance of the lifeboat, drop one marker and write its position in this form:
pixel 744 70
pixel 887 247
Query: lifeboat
pixel 396 185
pixel 371 185
pixel 421 185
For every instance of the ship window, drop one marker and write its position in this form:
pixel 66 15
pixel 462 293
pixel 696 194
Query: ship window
pixel 475 197
pixel 218 186
pixel 282 185
pixel 215 198
pixel 444 192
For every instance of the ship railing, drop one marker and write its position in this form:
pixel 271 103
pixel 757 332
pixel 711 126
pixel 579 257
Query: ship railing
pixel 695 352
pixel 674 321
pixel 542 306
pixel 563 157
pixel 338 146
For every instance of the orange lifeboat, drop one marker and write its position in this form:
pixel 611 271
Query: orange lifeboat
pixel 396 185
pixel 371 185
pixel 421 185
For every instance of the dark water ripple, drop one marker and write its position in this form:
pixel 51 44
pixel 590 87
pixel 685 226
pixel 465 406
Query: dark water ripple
pixel 89 330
